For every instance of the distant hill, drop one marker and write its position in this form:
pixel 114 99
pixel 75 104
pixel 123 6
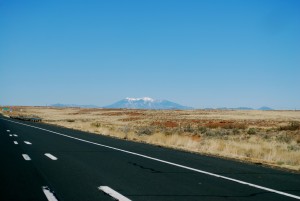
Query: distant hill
pixel 73 105
pixel 235 108
pixel 265 108
pixel 147 103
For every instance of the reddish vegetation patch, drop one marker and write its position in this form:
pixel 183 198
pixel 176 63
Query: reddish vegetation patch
pixel 226 125
pixel 113 114
pixel 110 109
pixel 134 113
pixel 170 124
pixel 156 123
pixel 122 113
pixel 197 121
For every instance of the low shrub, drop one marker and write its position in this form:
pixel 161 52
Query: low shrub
pixel 251 131
pixel 216 133
pixel 293 147
pixel 284 138
pixel 144 131
pixel 96 124
pixel 188 128
pixel 202 129
pixel 236 131
pixel 125 129
pixel 294 125
pixel 298 139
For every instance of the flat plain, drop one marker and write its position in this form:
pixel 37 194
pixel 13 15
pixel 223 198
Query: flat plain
pixel 263 137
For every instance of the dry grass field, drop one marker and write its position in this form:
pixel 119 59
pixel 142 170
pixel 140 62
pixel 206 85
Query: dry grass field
pixel 266 137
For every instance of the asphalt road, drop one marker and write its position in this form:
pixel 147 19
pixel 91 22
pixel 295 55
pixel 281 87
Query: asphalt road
pixel 78 163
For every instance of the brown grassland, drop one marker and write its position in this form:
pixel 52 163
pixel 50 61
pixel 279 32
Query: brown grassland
pixel 262 137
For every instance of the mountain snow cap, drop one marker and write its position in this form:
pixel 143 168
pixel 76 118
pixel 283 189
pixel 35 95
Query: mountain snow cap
pixel 147 103
pixel 146 99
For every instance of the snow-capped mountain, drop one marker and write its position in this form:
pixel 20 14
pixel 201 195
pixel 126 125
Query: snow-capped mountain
pixel 147 103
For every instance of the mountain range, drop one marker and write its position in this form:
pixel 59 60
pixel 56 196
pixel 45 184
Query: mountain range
pixel 264 108
pixel 149 103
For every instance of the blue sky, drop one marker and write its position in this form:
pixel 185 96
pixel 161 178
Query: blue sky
pixel 213 53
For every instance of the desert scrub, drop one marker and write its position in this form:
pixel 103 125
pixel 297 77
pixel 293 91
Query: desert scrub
pixel 265 136
pixel 236 131
pixel 294 125
pixel 172 131
pixel 125 129
pixel 202 129
pixel 188 128
pixel 293 147
pixel 96 124
pixel 226 125
pixel 220 133
pixel 251 131
pixel 144 131
pixel 284 138
pixel 298 138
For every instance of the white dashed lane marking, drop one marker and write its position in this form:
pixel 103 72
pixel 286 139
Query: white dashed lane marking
pixel 49 194
pixel 114 194
pixel 10 135
pixel 26 142
pixel 26 157
pixel 15 142
pixel 51 156
pixel 8 130
pixel 15 135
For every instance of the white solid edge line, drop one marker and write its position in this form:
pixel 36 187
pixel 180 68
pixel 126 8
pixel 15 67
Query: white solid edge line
pixel 26 142
pixel 26 157
pixel 50 156
pixel 113 193
pixel 49 195
pixel 15 142
pixel 167 162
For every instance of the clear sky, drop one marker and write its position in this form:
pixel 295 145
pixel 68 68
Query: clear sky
pixel 213 53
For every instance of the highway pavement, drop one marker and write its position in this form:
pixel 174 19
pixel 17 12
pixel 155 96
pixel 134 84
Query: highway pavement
pixel 45 162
